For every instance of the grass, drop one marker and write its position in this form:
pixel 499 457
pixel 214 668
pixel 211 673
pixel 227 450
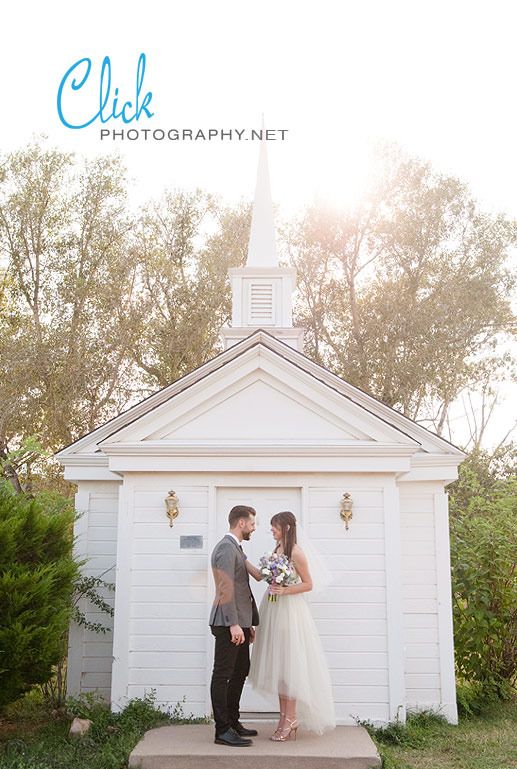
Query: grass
pixel 31 737
pixel 486 741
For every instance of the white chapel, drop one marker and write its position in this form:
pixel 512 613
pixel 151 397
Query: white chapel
pixel 260 424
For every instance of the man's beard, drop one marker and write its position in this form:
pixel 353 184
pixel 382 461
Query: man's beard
pixel 246 535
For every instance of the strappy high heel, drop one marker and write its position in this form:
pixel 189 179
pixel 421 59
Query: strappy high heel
pixel 284 734
pixel 279 728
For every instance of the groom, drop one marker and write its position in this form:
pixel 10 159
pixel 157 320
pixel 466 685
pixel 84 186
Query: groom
pixel 231 620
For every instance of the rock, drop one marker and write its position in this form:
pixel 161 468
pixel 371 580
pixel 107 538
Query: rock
pixel 79 727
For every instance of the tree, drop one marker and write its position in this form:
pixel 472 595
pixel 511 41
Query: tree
pixel 480 405
pixel 97 306
pixel 185 244
pixel 408 295
pixel 483 479
pixel 63 233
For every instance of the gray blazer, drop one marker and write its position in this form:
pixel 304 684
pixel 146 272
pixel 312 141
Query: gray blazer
pixel 233 603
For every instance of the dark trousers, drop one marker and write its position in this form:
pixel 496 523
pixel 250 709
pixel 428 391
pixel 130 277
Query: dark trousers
pixel 231 666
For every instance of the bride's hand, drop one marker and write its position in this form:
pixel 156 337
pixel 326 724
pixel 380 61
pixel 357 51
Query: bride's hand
pixel 277 589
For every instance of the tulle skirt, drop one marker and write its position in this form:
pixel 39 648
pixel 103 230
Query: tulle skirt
pixel 288 659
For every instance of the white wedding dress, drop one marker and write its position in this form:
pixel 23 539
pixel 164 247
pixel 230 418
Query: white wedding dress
pixel 288 659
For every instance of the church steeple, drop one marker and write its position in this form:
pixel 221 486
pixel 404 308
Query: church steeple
pixel 262 291
pixel 262 242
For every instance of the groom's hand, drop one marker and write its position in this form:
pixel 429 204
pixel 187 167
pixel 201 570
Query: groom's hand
pixel 236 635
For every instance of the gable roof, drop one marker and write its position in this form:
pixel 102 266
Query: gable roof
pixel 428 441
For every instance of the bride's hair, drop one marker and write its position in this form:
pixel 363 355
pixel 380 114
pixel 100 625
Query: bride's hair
pixel 287 524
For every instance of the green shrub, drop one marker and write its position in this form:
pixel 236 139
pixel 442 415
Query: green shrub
pixel 37 574
pixel 412 733
pixel 107 745
pixel 484 581
pixel 473 698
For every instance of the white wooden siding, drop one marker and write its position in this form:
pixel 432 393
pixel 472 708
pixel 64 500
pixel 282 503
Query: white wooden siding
pixel 168 622
pixel 91 654
pixel 169 597
pixel 169 594
pixel 420 599
pixel 351 614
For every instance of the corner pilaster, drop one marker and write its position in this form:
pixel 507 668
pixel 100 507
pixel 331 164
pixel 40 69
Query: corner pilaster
pixel 394 608
pixel 121 628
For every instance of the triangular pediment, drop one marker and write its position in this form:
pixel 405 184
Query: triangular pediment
pixel 237 385
pixel 259 398
pixel 262 412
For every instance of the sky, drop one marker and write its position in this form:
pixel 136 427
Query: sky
pixel 337 76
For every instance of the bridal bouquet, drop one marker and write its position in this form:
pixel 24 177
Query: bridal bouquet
pixel 275 569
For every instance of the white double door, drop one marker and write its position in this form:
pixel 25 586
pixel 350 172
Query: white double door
pixel 267 502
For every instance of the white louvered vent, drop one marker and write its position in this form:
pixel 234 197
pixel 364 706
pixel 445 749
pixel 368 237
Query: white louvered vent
pixel 261 304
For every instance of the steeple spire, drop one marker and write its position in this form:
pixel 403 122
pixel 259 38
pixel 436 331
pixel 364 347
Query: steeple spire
pixel 262 242
pixel 262 291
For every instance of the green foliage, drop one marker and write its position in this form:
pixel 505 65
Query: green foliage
pixel 426 741
pixel 66 286
pixel 389 291
pixel 472 698
pixel 18 464
pixel 185 244
pixel 37 575
pixel 177 715
pixel 412 733
pixel 483 478
pixel 85 587
pixel 138 712
pixel 100 305
pixel 484 576
pixel 107 745
pixel 88 587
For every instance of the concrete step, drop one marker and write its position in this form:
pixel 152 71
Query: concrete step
pixel 191 746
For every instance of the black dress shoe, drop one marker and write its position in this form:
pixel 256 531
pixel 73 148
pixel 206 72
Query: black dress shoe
pixel 231 738
pixel 242 731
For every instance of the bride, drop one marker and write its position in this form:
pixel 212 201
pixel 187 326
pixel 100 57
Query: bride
pixel 288 657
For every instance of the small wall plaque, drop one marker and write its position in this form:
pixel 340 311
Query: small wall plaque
pixel 191 542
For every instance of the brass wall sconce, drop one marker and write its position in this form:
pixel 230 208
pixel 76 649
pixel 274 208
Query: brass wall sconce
pixel 345 509
pixel 171 503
